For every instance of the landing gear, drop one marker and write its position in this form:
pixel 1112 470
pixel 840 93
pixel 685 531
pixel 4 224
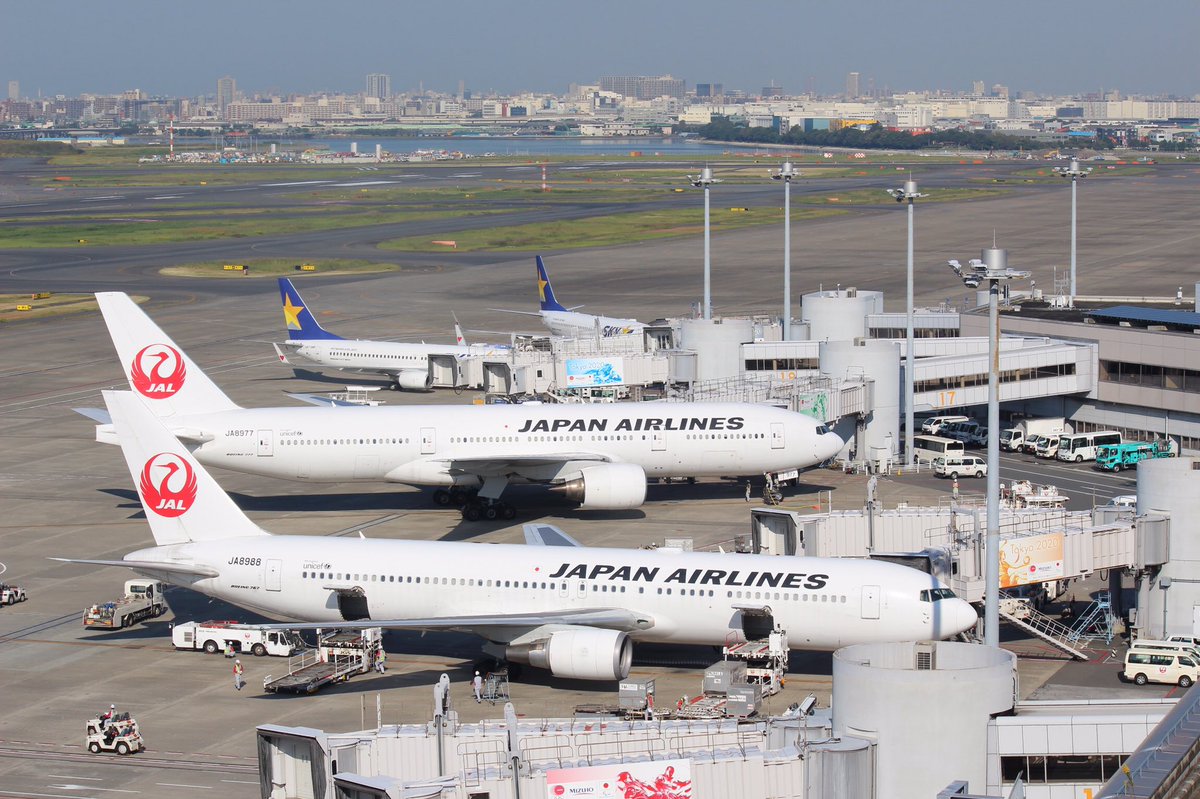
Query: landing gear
pixel 442 497
pixel 476 508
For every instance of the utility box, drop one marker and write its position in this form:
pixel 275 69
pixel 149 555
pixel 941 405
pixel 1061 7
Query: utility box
pixel 743 699
pixel 636 694
pixel 721 675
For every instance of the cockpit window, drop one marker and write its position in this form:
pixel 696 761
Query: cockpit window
pixel 935 594
pixel 822 429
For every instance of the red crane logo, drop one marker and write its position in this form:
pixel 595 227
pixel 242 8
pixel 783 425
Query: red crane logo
pixel 168 485
pixel 161 382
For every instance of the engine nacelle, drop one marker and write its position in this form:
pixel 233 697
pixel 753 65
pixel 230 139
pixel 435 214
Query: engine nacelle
pixel 414 380
pixel 609 486
pixel 587 653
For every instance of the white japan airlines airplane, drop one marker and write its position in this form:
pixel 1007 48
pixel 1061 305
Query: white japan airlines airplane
pixel 599 455
pixel 409 366
pixel 570 323
pixel 573 610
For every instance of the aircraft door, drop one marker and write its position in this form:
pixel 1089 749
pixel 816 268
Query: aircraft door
pixel 266 443
pixel 870 602
pixel 352 604
pixel 658 441
pixel 564 589
pixel 428 440
pixel 757 625
pixel 272 576
pixel 777 441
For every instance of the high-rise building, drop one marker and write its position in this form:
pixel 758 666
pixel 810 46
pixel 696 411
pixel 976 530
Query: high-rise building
pixel 643 88
pixel 977 88
pixel 379 86
pixel 852 85
pixel 226 90
pixel 14 90
pixel 772 91
pixel 710 89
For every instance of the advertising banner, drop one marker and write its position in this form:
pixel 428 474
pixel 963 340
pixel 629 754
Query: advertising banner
pixel 1031 559
pixel 657 779
pixel 586 372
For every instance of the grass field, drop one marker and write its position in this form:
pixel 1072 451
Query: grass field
pixel 54 305
pixel 170 227
pixel 602 231
pixel 278 267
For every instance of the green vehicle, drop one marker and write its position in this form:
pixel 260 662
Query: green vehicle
pixel 1115 457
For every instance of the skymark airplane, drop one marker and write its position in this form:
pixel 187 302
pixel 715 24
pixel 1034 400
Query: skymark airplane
pixel 410 367
pixel 554 605
pixel 599 455
pixel 570 323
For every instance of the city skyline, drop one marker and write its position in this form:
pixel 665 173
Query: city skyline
pixel 1075 48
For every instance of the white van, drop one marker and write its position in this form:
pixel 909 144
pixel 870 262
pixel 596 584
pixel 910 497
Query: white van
pixel 934 424
pixel 961 466
pixel 1178 647
pixel 1142 666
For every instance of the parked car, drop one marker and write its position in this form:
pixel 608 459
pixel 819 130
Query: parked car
pixel 964 466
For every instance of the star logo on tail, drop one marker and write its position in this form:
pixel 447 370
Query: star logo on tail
pixel 291 314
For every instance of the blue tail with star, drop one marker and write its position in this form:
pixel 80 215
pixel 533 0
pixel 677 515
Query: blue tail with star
pixel 545 290
pixel 298 317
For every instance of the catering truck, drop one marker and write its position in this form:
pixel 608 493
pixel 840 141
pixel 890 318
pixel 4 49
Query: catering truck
pixel 218 636
pixel 1013 439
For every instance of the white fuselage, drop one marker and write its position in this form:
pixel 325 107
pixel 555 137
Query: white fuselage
pixel 382 357
pixel 571 324
pixel 690 598
pixel 457 444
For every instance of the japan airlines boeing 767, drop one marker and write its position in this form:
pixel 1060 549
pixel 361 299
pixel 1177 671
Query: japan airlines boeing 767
pixel 599 455
pixel 573 610
pixel 409 366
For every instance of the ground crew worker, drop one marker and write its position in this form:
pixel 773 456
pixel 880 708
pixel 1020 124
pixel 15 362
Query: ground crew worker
pixel 105 718
pixel 477 684
pixel 381 660
pixel 228 648
pixel 238 670
pixel 747 490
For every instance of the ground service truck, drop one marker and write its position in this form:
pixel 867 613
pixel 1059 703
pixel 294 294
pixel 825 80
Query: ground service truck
pixel 143 600
pixel 1115 457
pixel 1014 438
pixel 214 636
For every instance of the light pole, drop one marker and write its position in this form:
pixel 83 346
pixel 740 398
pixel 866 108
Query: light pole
pixel 1074 172
pixel 910 193
pixel 992 268
pixel 704 180
pixel 786 173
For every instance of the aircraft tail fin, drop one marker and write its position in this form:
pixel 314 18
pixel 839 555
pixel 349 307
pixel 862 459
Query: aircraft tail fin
pixel 155 366
pixel 545 290
pixel 183 503
pixel 299 319
pixel 459 338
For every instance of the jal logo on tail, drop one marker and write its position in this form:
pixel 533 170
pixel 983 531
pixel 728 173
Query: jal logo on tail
pixel 167 371
pixel 168 485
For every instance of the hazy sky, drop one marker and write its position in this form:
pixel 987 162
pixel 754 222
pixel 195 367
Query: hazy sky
pixel 173 48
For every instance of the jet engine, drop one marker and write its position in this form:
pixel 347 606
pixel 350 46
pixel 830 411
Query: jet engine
pixel 585 653
pixel 609 486
pixel 414 380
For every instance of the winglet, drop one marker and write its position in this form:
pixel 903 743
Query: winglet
pixel 545 290
pixel 297 317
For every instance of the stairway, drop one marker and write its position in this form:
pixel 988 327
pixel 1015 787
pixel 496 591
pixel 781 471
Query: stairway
pixel 1052 632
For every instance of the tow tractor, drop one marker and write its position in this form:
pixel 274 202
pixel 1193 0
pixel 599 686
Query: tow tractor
pixel 340 654
pixel 11 594
pixel 118 734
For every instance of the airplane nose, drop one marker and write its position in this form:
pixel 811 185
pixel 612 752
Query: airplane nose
pixel 828 446
pixel 957 616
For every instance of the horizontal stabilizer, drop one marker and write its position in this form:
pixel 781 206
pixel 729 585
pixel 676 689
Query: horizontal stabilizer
pixel 547 535
pixel 323 401
pixel 97 415
pixel 147 565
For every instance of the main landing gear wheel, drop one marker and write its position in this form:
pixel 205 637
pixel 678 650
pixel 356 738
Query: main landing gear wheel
pixel 441 497
pixel 472 512
pixel 476 509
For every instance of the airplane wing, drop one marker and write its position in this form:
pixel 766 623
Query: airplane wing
pixel 522 313
pixel 501 465
pixel 323 401
pixel 609 618
pixel 147 565
pixel 547 535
